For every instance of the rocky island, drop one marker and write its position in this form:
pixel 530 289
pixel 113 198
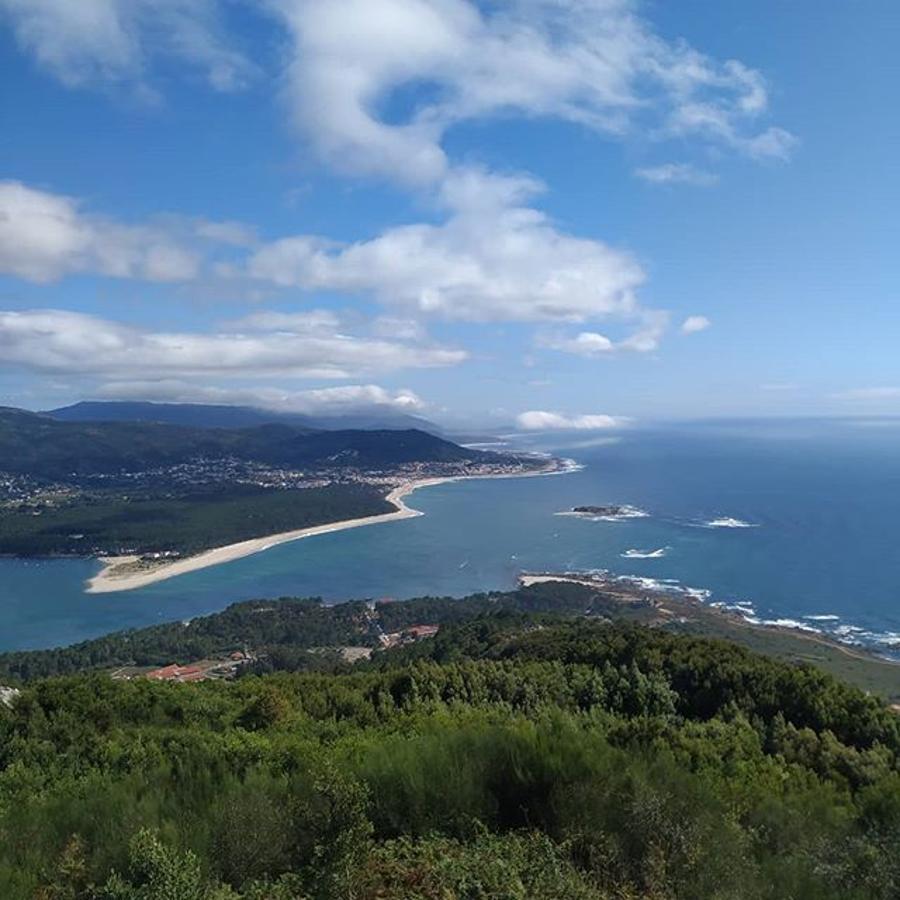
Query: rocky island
pixel 607 512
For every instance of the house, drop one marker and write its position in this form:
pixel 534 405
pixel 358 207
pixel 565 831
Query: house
pixel 418 632
pixel 178 673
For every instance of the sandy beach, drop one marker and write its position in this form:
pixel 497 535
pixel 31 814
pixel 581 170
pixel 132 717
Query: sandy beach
pixel 124 573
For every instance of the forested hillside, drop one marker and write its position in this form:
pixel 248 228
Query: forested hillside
pixel 37 445
pixel 508 758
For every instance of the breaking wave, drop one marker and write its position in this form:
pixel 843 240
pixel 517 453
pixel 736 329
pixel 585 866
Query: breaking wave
pixel 645 554
pixel 728 522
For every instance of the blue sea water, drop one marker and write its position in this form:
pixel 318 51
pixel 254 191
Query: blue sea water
pixel 822 500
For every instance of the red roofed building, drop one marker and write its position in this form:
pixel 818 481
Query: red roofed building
pixel 176 673
pixel 422 631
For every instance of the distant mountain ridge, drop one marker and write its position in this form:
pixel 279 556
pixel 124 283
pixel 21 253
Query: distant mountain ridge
pixel 41 446
pixel 208 415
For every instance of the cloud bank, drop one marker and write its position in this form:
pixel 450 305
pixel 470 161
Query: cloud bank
pixel 542 420
pixel 75 343
pixel 343 400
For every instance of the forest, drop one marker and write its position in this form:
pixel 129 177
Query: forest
pixel 108 523
pixel 512 756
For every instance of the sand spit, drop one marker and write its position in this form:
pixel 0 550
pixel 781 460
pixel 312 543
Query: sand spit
pixel 127 573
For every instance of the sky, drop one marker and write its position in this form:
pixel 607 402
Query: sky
pixel 564 214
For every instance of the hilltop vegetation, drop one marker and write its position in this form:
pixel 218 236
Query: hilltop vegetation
pixel 504 759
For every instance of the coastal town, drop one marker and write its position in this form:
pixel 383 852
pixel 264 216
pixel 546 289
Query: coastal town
pixel 25 491
pixel 220 501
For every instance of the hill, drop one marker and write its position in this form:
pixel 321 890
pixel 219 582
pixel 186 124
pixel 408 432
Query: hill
pixel 205 415
pixel 510 758
pixel 40 446
pixel 292 634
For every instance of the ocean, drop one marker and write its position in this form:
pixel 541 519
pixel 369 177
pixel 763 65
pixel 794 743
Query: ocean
pixel 790 522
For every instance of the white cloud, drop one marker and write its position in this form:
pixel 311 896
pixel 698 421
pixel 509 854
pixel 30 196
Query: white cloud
pixel 541 420
pixel 651 325
pixel 493 259
pixel 586 343
pixel 693 324
pixel 400 329
pixel 597 64
pixel 374 86
pixel 86 42
pixel 314 321
pixel 677 173
pixel 347 399
pixel 46 236
pixel 69 342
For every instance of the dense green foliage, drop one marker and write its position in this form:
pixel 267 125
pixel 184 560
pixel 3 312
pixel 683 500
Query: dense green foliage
pixel 186 522
pixel 263 625
pixel 507 758
pixel 64 451
pixel 284 630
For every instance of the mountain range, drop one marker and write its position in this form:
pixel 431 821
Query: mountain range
pixel 200 415
pixel 42 446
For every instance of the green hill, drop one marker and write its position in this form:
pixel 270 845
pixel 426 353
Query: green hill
pixel 513 757
pixel 36 445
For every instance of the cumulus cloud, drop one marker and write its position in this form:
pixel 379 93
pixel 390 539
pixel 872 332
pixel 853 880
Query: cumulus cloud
pixel 693 324
pixel 495 258
pixel 86 42
pixel 650 328
pixel 542 420
pixel 597 64
pixel 45 236
pixel 586 343
pixel 343 400
pixel 677 173
pixel 69 342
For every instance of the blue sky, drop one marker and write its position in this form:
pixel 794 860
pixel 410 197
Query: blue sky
pixel 557 211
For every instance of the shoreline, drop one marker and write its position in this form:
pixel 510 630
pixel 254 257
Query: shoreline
pixel 633 593
pixel 108 580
